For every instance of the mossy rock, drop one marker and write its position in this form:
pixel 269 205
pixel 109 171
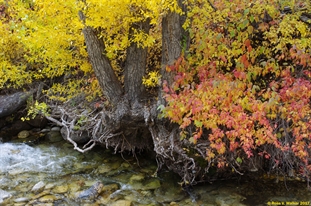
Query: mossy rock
pixel 152 184
pixel 23 134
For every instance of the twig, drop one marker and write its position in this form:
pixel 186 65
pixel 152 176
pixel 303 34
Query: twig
pixel 240 173
pixel 210 3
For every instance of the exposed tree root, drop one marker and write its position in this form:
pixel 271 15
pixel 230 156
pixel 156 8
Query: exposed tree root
pixel 135 128
pixel 123 129
pixel 128 129
pixel 173 153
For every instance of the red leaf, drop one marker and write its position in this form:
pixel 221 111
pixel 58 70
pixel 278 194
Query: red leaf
pixel 244 61
pixel 223 58
pixel 248 45
pixel 239 74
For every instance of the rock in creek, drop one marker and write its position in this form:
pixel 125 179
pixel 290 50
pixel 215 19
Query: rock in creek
pixel 31 139
pixel 21 199
pixel 152 184
pixel 54 136
pixel 122 203
pixel 92 192
pixel 48 198
pixel 38 187
pixel 4 195
pixel 23 134
pixel 60 189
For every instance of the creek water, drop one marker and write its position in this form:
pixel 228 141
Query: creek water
pixel 55 174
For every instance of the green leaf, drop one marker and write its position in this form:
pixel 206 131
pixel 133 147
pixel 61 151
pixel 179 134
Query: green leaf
pixel 232 34
pixel 239 160
pixel 244 24
pixel 161 107
pixel 251 18
pixel 219 36
pixel 198 123
pixel 246 11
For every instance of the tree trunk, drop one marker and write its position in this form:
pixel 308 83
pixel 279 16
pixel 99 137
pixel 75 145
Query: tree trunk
pixel 171 43
pixel 108 81
pixel 172 37
pixel 135 66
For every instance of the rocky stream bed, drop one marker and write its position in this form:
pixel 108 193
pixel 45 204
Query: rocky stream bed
pixel 50 172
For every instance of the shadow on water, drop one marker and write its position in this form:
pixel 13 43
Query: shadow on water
pixel 271 192
pixel 252 191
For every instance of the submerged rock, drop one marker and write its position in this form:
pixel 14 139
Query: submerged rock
pixel 48 198
pixel 16 171
pixel 31 140
pixel 136 177
pixel 54 136
pixel 92 192
pixel 103 169
pixel 109 189
pixel 122 203
pixel 60 189
pixel 152 184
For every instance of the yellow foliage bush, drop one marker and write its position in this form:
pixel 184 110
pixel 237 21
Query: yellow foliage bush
pixel 152 79
pixel 72 88
pixel 35 109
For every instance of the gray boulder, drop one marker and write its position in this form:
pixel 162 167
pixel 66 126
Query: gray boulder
pixel 11 103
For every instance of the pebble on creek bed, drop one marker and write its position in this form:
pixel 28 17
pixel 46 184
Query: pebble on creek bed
pixel 60 189
pixel 21 199
pixel 48 198
pixel 39 187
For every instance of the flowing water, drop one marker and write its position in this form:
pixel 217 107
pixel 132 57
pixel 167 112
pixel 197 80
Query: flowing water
pixel 55 174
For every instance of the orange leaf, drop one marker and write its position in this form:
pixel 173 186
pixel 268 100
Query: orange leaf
pixel 244 60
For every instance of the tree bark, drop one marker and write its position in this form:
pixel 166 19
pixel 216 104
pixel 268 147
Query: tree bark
pixel 172 37
pixel 135 67
pixel 171 43
pixel 108 81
